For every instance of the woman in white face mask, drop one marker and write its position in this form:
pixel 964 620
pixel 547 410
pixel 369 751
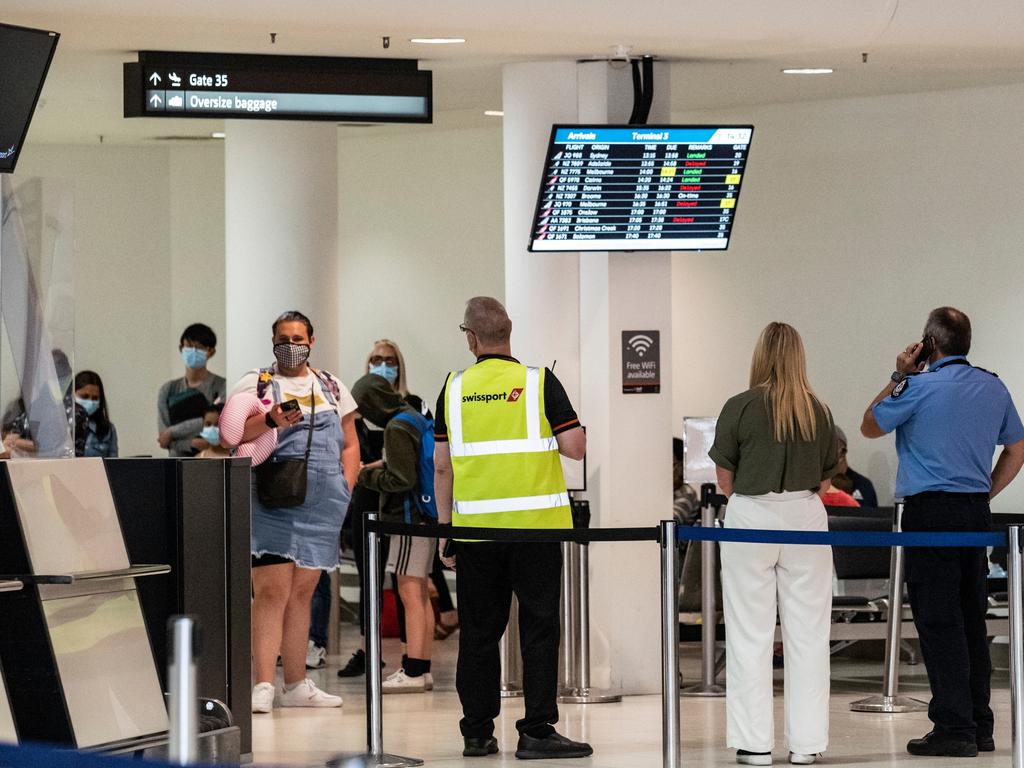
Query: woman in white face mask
pixel 92 421
pixel 300 496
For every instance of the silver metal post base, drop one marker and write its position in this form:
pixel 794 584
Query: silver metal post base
pixel 511 692
pixel 706 691
pixel 588 696
pixel 890 705
pixel 366 760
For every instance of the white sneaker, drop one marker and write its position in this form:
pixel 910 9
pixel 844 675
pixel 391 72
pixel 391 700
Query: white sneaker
pixel 428 681
pixel 796 758
pixel 316 657
pixel 306 694
pixel 263 698
pixel 399 682
pixel 743 757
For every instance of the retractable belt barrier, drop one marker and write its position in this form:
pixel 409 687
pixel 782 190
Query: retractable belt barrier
pixel 667 535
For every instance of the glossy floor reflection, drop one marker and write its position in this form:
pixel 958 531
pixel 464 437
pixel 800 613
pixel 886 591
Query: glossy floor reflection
pixel 624 735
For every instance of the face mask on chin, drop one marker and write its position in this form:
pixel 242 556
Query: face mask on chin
pixel 290 356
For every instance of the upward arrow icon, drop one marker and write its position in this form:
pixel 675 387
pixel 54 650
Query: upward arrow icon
pixel 155 78
pixel 155 100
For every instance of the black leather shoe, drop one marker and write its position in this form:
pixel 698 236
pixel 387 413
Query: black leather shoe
pixel 985 743
pixel 554 745
pixel 937 745
pixel 477 747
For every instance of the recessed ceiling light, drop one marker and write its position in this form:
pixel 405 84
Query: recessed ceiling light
pixel 437 40
pixel 217 135
pixel 494 113
pixel 809 71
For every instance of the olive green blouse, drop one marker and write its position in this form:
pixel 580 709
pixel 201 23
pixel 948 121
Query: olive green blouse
pixel 745 444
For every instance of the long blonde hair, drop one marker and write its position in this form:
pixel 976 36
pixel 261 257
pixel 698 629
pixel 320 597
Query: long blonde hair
pixel 779 366
pixel 399 385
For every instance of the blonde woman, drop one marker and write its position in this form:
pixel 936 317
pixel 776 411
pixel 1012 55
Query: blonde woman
pixel 775 451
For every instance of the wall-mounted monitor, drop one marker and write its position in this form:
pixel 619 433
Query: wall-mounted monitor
pixel 257 87
pixel 25 56
pixel 640 188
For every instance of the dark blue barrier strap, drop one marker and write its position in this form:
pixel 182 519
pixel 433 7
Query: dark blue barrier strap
pixel 844 538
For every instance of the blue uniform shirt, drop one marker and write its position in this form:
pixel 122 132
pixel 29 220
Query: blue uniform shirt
pixel 948 422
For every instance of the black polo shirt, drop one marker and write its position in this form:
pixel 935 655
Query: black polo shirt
pixel 559 411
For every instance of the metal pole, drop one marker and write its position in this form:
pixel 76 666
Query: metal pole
pixel 670 734
pixel 708 611
pixel 183 730
pixel 581 692
pixel 890 701
pixel 1014 588
pixel 511 655
pixel 374 755
pixel 568 623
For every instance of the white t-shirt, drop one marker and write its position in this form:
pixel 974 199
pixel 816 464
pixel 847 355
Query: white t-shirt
pixel 301 388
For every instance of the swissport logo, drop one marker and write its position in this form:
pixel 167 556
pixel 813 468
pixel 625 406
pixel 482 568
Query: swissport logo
pixel 514 395
pixel 494 397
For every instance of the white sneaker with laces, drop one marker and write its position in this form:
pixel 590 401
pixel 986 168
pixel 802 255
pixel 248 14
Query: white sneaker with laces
pixel 263 698
pixel 399 682
pixel 797 758
pixel 316 657
pixel 306 694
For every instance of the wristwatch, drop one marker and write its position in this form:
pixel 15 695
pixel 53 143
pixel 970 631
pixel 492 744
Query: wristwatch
pixel 897 377
pixel 270 421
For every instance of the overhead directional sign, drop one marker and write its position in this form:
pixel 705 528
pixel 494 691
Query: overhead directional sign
pixel 205 85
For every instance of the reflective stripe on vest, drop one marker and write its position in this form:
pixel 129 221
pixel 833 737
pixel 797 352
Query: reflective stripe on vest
pixel 521 504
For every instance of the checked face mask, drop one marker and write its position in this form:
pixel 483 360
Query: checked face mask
pixel 291 355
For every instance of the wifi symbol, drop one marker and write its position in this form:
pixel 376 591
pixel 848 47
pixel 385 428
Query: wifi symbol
pixel 640 343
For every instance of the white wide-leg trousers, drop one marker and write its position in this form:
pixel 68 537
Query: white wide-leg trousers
pixel 757 580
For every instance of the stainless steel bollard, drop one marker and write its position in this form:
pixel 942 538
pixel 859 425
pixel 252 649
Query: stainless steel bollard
pixel 579 690
pixel 511 656
pixel 1015 595
pixel 670 732
pixel 568 650
pixel 374 755
pixel 890 702
pixel 707 687
pixel 183 704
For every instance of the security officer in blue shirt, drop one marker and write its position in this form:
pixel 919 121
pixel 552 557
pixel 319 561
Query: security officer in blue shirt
pixel 949 418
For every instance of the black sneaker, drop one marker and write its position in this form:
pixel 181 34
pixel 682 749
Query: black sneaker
pixel 477 747
pixel 985 743
pixel 550 746
pixel 936 745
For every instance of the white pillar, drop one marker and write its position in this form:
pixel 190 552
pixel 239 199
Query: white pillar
pixel 575 306
pixel 281 234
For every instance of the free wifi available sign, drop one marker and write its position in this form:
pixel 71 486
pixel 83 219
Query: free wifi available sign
pixel 641 362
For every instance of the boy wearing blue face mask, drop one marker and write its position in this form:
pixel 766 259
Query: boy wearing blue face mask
pixel 182 402
pixel 211 434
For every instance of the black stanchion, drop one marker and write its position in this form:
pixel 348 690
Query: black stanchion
pixel 708 687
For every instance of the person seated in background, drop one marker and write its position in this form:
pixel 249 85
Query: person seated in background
pixel 211 434
pixel 685 499
pixel 95 434
pixel 853 483
pixel 182 402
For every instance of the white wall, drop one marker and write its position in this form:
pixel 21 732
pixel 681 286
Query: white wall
pixel 856 218
pixel 420 232
pixel 148 260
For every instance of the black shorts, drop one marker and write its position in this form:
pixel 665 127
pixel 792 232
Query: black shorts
pixel 258 562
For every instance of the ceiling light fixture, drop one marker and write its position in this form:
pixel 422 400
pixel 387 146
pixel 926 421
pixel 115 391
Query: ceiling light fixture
pixel 809 71
pixel 437 40
pixel 494 112
pixel 217 135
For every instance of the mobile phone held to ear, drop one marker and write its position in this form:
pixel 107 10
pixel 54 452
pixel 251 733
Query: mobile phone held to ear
pixel 927 347
pixel 290 405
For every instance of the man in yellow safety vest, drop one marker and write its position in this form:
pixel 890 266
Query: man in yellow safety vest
pixel 500 427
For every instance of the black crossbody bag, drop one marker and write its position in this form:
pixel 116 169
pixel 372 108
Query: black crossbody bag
pixel 283 483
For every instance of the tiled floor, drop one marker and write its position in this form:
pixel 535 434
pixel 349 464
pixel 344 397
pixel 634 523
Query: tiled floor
pixel 623 735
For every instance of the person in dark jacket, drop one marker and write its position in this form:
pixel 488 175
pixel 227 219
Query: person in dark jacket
pixel 394 477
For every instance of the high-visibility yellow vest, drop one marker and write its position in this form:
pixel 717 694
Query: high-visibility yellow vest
pixel 505 463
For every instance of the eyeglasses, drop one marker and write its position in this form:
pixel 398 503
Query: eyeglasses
pixel 464 329
pixel 381 360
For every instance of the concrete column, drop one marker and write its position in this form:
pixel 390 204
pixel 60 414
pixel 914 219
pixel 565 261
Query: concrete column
pixel 281 234
pixel 574 307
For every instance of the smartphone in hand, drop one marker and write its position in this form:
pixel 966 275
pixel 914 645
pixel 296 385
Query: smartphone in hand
pixel 290 405
pixel 927 347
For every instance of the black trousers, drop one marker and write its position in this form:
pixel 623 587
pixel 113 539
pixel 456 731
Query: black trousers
pixel 488 574
pixel 949 598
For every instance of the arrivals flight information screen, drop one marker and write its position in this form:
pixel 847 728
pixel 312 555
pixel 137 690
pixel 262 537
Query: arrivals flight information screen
pixel 640 188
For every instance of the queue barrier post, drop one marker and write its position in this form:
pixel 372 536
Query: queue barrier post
pixel 374 755
pixel 890 702
pixel 183 704
pixel 707 687
pixel 511 656
pixel 568 648
pixel 670 731
pixel 1014 597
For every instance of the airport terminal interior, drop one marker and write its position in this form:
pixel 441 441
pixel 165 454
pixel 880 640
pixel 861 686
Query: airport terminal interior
pixel 207 206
